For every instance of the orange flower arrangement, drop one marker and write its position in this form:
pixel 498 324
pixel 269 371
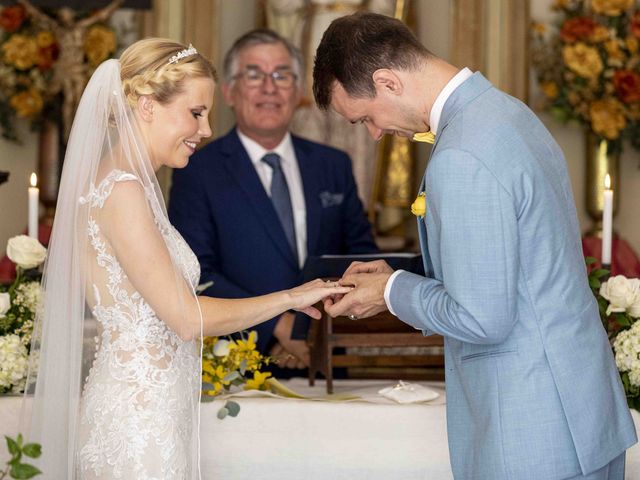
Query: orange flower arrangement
pixel 588 67
pixel 27 57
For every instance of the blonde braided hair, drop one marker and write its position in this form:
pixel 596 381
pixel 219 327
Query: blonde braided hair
pixel 145 69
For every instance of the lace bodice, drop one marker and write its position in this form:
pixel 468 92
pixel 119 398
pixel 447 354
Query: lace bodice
pixel 138 404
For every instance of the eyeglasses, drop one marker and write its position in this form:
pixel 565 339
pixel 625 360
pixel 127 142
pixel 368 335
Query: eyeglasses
pixel 254 77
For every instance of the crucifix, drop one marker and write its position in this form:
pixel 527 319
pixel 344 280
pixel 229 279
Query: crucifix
pixel 70 71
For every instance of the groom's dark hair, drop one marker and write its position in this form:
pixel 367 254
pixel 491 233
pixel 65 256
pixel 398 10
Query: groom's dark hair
pixel 354 47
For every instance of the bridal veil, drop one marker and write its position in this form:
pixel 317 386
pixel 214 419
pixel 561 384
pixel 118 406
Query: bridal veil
pixel 105 136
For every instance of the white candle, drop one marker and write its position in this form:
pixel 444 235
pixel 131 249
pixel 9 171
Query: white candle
pixel 34 194
pixel 607 221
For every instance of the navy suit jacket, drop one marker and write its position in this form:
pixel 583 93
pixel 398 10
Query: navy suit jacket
pixel 221 208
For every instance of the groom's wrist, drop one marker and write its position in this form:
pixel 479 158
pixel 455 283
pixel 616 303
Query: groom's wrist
pixel 387 290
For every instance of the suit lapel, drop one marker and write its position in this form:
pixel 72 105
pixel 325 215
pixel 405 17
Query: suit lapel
pixel 310 172
pixel 422 235
pixel 239 166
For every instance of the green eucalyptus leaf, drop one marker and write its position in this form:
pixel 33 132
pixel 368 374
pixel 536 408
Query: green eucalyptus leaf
pixel 231 376
pixel 233 408
pixel 243 367
pixel 207 398
pixel 223 412
pixel 206 386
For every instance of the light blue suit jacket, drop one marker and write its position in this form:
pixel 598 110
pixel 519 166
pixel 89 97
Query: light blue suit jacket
pixel 532 387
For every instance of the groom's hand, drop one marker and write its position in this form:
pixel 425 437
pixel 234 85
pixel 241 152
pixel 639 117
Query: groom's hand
pixel 377 266
pixel 366 299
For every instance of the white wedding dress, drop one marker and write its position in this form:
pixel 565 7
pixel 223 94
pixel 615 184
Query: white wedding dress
pixel 137 412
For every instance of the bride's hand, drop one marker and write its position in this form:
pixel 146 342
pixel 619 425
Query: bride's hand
pixel 310 293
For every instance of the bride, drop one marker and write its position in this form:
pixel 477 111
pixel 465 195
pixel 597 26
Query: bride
pixel 122 400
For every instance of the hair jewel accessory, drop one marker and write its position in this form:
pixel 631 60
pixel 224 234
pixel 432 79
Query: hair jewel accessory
pixel 187 52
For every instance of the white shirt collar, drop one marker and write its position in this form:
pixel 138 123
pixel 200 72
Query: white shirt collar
pixel 438 105
pixel 257 151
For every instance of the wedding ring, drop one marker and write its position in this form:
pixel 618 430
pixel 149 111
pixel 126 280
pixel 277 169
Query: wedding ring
pixel 352 317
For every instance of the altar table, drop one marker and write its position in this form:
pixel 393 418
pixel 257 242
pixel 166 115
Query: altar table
pixel 291 439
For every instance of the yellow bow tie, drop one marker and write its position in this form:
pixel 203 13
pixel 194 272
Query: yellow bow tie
pixel 426 137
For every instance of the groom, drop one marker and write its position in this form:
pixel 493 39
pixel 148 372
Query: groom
pixel 532 388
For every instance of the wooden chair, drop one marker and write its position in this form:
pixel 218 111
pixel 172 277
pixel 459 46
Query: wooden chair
pixel 383 330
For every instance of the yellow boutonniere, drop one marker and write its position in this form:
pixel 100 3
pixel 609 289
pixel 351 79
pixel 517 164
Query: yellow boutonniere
pixel 419 206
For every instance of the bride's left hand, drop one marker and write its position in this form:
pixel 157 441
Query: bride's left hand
pixel 310 293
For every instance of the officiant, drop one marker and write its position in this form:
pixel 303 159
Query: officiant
pixel 255 203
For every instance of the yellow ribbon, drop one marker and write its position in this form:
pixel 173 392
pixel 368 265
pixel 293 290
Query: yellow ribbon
pixel 425 137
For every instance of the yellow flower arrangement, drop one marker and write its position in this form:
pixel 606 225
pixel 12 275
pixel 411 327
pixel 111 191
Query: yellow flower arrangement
pixel 588 68
pixel 28 55
pixel 229 362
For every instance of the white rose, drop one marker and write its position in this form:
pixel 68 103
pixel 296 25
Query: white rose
pixel 5 303
pixel 25 251
pixel 221 348
pixel 621 292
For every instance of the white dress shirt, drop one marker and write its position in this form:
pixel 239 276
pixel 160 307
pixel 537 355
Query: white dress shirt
pixel 434 123
pixel 291 171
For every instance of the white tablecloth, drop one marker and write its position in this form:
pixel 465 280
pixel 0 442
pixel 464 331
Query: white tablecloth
pixel 277 438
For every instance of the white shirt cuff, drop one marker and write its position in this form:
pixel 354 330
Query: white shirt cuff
pixel 387 290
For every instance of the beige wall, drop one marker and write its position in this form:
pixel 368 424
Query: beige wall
pixel 234 18
pixel 20 161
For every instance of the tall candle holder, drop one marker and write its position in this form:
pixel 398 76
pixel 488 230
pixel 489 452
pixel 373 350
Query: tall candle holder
pixel 34 207
pixel 607 220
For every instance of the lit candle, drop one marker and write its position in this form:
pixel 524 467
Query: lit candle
pixel 34 194
pixel 607 221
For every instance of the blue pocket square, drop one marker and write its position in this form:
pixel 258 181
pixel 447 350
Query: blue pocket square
pixel 329 199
